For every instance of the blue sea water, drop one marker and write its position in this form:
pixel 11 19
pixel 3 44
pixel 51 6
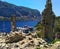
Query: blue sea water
pixel 5 26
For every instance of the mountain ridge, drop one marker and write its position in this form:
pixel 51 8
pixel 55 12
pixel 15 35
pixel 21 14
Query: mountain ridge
pixel 7 9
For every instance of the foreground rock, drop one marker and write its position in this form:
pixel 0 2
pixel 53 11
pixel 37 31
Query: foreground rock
pixel 14 37
pixel 24 41
pixel 56 45
pixel 20 40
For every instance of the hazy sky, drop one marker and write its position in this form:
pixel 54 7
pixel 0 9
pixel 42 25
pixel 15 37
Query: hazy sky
pixel 37 4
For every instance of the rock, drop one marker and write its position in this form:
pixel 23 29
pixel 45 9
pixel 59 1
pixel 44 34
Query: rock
pixel 16 46
pixel 32 41
pixel 46 46
pixel 58 47
pixel 14 37
pixel 41 45
pixel 28 34
pixel 30 38
pixel 34 35
pixel 20 40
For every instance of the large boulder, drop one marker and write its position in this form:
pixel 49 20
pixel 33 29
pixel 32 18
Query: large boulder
pixel 14 37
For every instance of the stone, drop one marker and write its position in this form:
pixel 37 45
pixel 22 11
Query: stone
pixel 41 45
pixel 30 38
pixel 22 42
pixel 15 37
pixel 16 40
pixel 46 46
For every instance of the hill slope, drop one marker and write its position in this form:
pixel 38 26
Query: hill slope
pixel 7 9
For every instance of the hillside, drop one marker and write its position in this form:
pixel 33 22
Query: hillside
pixel 7 9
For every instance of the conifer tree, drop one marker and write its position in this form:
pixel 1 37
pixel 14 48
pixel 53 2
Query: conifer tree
pixel 13 21
pixel 48 18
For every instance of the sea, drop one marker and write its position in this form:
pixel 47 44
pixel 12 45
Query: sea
pixel 5 26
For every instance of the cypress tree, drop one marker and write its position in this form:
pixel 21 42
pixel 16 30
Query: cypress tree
pixel 13 21
pixel 48 18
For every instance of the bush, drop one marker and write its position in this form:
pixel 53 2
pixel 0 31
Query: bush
pixel 38 48
pixel 39 27
pixel 55 41
pixel 39 34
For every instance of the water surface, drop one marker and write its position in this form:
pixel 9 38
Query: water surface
pixel 5 26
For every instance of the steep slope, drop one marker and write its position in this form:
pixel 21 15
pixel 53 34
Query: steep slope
pixel 7 9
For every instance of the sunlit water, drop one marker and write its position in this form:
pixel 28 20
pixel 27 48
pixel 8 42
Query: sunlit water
pixel 5 26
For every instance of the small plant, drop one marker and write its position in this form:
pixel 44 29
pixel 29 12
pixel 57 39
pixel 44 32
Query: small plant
pixel 39 27
pixel 38 48
pixel 55 41
pixel 39 34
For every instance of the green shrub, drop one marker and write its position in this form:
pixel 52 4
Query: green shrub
pixel 55 41
pixel 39 27
pixel 39 34
pixel 38 48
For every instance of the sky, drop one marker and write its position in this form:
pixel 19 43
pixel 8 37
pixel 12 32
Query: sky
pixel 37 4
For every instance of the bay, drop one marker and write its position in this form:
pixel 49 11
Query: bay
pixel 5 26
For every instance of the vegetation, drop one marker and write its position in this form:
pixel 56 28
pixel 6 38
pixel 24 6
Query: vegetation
pixel 39 26
pixel 54 41
pixel 38 48
pixel 39 34
pixel 7 10
pixel 57 24
pixel 49 21
pixel 48 18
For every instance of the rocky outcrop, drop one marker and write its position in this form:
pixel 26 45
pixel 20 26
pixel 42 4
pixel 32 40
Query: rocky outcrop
pixel 14 37
pixel 24 41
pixel 20 40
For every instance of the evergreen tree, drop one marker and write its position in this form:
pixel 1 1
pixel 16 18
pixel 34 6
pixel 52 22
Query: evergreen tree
pixel 48 18
pixel 13 23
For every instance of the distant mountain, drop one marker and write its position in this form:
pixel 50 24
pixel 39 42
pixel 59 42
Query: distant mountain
pixel 7 9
